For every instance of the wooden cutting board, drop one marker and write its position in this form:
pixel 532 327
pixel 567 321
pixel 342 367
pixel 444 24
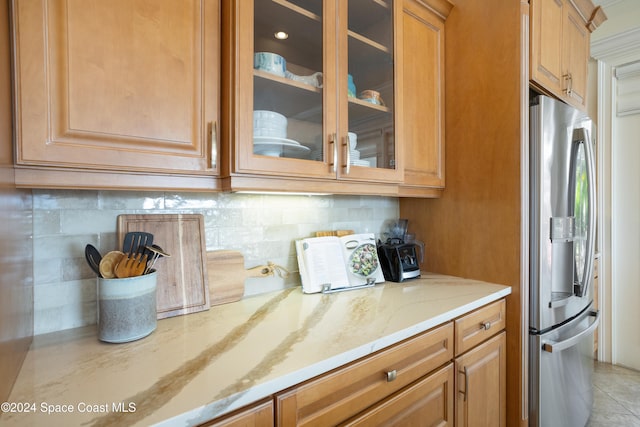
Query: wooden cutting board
pixel 226 274
pixel 182 278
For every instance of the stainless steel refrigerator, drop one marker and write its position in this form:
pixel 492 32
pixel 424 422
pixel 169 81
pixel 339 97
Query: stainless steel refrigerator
pixel 561 315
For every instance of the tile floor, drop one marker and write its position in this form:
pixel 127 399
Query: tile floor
pixel 616 397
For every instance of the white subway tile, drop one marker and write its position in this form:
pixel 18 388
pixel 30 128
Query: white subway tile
pixel 46 222
pixel 131 200
pixel 65 199
pixel 262 227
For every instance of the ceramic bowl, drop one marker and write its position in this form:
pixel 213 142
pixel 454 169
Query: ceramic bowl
pixel 270 118
pixel 270 62
pixel 371 96
pixel 269 123
pixel 275 132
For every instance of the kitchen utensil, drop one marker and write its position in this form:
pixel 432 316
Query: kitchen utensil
pixel 131 265
pixel 135 262
pixel 182 281
pixel 109 262
pixel 156 252
pixel 227 275
pixel 93 257
pixel 135 241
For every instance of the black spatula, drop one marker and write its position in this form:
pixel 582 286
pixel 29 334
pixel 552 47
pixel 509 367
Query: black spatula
pixel 135 241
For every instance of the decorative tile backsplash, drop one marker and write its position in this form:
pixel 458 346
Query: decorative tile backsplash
pixel 262 227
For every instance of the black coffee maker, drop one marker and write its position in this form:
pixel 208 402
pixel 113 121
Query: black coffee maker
pixel 399 259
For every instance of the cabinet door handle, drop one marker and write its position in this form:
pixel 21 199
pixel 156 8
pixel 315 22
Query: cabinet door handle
pixel 466 383
pixel 569 79
pixel 391 375
pixel 212 139
pixel 347 156
pixel 332 141
pixel 485 325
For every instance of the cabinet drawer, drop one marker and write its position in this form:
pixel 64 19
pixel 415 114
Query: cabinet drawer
pixel 257 415
pixel 345 392
pixel 479 325
pixel 427 402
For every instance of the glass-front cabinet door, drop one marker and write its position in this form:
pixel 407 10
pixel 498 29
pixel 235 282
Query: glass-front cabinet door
pixel 368 69
pixel 316 89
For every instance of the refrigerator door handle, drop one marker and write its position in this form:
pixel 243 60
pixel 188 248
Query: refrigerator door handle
pixel 556 346
pixel 582 137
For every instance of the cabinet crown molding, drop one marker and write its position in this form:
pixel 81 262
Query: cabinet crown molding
pixel 618 49
pixel 442 8
pixel 592 15
pixel 628 88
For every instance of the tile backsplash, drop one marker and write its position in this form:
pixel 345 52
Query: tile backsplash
pixel 262 227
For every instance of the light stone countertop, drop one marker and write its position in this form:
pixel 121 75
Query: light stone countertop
pixel 202 365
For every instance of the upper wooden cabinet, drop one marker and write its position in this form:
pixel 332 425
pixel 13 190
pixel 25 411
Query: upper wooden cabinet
pixel 136 102
pixel 560 36
pixel 109 89
pixel 424 95
pixel 309 116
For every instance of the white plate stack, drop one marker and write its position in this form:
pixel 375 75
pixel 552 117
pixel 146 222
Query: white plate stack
pixel 354 155
pixel 270 136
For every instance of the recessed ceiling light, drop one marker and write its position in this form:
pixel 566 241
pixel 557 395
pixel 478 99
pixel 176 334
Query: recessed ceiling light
pixel 281 35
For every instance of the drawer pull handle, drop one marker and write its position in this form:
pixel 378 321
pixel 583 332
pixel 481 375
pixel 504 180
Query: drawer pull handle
pixel 391 375
pixel 334 159
pixel 212 140
pixel 485 325
pixel 466 383
pixel 347 165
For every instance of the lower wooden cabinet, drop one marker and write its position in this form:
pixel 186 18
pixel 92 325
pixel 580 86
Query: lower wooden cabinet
pixel 478 326
pixel 339 395
pixel 258 415
pixel 426 380
pixel 427 402
pixel 481 385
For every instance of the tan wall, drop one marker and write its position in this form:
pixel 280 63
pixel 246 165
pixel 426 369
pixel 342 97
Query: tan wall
pixel 16 244
pixel 474 230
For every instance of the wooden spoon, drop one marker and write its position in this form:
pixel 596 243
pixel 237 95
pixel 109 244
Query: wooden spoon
pixel 109 263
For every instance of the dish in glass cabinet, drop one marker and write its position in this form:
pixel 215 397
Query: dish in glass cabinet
pixel 314 79
pixel 277 147
pixel 372 97
pixel 365 163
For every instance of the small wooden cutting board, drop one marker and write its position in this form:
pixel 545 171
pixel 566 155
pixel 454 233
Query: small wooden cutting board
pixel 227 274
